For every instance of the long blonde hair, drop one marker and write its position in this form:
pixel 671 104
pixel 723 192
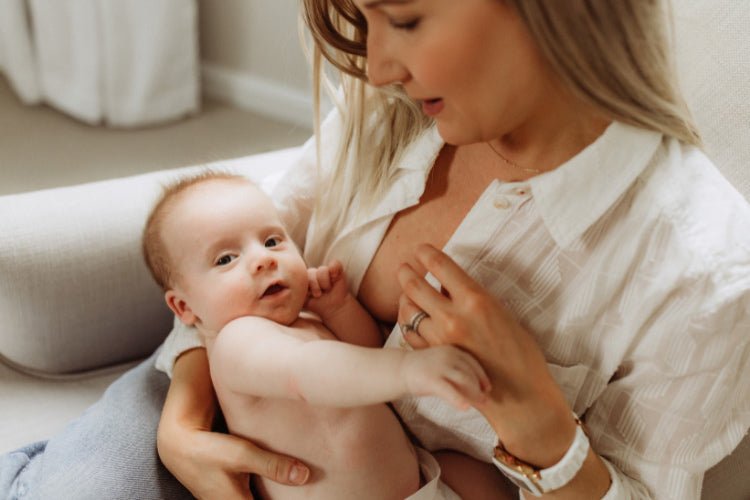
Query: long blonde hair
pixel 615 55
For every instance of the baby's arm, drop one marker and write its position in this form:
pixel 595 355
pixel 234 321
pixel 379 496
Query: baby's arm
pixel 339 310
pixel 255 356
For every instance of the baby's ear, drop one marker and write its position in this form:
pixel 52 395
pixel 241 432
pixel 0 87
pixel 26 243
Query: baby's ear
pixel 180 308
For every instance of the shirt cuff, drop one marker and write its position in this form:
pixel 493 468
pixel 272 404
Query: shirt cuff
pixel 181 339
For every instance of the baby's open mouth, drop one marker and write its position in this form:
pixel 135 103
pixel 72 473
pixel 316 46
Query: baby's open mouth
pixel 274 289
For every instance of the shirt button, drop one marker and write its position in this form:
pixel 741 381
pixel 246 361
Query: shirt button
pixel 502 203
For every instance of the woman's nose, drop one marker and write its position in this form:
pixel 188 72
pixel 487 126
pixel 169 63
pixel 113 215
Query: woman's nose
pixel 383 67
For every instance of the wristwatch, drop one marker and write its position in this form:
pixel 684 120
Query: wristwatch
pixel 541 481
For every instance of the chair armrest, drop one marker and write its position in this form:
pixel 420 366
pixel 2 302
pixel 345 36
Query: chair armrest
pixel 74 292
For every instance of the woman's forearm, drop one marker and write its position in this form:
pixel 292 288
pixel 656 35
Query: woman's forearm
pixel 209 464
pixel 191 401
pixel 544 447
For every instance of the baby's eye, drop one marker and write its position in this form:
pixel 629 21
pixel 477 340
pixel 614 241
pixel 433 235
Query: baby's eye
pixel 224 260
pixel 273 241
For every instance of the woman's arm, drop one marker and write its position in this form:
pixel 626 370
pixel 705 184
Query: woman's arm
pixel 210 464
pixel 526 407
pixel 473 479
pixel 663 418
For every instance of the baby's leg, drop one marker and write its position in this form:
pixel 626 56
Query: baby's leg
pixel 473 479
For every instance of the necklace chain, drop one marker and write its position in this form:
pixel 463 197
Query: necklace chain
pixel 512 163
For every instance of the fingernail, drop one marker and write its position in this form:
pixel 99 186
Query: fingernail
pixel 298 474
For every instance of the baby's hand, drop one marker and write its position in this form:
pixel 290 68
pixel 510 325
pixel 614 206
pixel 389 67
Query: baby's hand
pixel 447 372
pixel 327 290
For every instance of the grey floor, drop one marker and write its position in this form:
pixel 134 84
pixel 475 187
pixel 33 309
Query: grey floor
pixel 42 148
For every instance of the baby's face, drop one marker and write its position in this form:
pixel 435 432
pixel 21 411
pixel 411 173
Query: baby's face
pixel 232 256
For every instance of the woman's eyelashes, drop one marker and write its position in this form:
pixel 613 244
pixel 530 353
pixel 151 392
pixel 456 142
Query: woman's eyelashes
pixel 408 25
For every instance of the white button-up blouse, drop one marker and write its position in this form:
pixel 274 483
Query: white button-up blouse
pixel 630 263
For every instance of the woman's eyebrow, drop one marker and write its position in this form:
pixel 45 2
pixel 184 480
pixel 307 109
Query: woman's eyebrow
pixel 377 3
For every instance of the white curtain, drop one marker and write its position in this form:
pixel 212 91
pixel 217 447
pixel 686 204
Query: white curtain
pixel 16 54
pixel 120 62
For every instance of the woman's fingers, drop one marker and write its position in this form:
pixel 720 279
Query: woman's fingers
pixel 420 292
pixel 423 336
pixel 450 275
pixel 278 468
pixel 415 340
pixel 219 466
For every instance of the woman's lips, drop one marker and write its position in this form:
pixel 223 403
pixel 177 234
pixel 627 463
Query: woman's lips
pixel 432 107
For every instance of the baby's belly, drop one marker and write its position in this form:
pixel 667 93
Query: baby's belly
pixel 358 453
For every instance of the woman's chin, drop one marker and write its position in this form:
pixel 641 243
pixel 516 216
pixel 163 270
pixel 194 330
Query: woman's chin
pixel 455 135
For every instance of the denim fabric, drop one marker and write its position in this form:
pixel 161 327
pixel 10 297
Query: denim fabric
pixel 109 452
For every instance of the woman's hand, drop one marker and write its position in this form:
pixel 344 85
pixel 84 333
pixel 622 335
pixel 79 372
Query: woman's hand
pixel 526 407
pixel 210 464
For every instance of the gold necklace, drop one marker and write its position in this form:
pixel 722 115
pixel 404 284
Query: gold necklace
pixel 512 163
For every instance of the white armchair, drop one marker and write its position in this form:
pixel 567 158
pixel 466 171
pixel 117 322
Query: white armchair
pixel 77 302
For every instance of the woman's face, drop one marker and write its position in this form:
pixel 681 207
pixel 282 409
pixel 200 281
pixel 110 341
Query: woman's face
pixel 470 63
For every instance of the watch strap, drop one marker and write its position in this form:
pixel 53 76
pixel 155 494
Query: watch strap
pixel 540 481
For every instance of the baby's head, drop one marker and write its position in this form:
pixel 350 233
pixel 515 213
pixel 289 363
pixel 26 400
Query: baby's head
pixel 216 245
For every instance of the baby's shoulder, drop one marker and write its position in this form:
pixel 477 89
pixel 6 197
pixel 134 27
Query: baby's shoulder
pixel 306 327
pixel 310 327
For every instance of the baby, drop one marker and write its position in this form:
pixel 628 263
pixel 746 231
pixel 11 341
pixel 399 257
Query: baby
pixel 273 330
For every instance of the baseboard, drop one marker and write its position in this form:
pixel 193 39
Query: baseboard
pixel 257 94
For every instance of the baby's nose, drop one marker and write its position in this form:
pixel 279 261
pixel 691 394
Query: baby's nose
pixel 264 262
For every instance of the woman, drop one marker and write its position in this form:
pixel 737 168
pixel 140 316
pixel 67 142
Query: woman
pixel 601 271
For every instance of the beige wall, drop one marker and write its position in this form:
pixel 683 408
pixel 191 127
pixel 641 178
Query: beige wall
pixel 254 37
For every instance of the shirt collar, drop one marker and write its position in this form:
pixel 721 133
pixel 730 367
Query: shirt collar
pixel 421 154
pixel 575 195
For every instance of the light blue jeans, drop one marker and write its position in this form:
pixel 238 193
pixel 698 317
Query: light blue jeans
pixel 107 453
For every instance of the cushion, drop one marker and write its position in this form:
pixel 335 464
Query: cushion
pixel 75 293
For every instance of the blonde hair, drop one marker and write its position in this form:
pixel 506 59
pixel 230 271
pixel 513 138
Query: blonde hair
pixel 612 54
pixel 152 244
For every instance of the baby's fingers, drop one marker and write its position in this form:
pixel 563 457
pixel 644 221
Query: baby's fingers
pixel 312 281
pixel 324 278
pixel 449 393
pixel 468 377
pixel 481 375
pixel 335 270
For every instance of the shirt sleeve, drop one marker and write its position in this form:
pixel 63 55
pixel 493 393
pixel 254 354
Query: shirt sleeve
pixel 181 339
pixel 680 402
